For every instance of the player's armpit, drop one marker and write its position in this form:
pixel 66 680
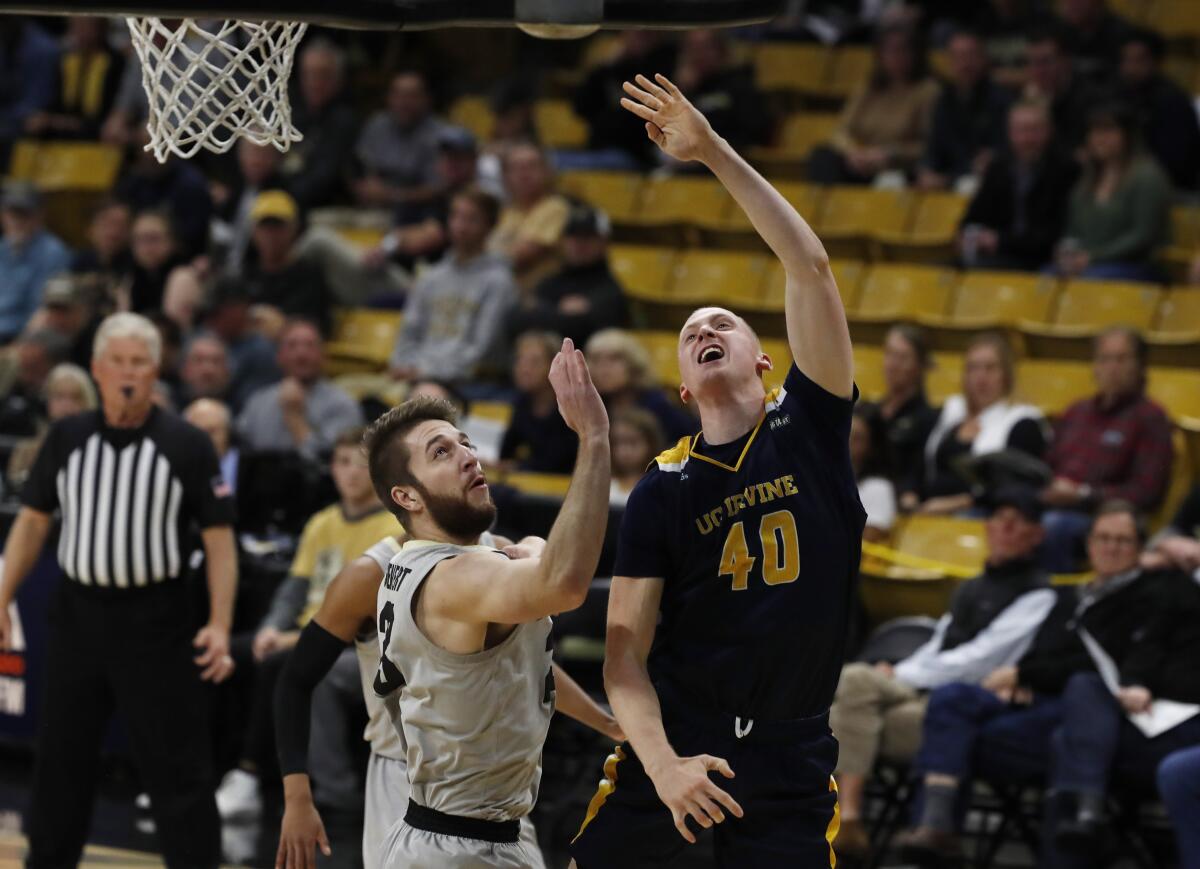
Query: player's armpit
pixel 486 587
pixel 350 599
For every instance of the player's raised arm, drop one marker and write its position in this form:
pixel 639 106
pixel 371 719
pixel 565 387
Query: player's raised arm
pixel 816 319
pixel 481 587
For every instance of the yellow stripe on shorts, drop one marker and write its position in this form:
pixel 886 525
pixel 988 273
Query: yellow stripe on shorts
pixel 608 784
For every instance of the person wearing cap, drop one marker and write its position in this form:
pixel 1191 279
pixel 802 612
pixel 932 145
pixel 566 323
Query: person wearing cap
pixel 1003 726
pixel 280 282
pixel 582 297
pixel 257 170
pixel 454 319
pixel 880 705
pixel 68 308
pixel 29 255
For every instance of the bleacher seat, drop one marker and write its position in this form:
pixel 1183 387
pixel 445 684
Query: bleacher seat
pixel 944 377
pixel 557 124
pixel 805 198
pixel 474 113
pixel 868 370
pixel 790 66
pixel 1002 298
pixel 947 539
pixel 848 71
pixel 847 273
pixel 663 348
pixel 1053 385
pixel 363 339
pixel 931 232
pixel 1098 304
pixel 1175 19
pixel 1180 483
pixel 904 292
pixel 54 166
pixel 800 132
pixel 1179 312
pixel 1176 389
pixel 853 216
pixel 615 193
pixel 698 201
pixel 729 279
pixel 644 271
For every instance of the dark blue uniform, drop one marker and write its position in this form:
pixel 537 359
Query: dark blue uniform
pixel 758 542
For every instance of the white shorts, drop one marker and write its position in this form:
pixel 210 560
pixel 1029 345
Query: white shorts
pixel 386 803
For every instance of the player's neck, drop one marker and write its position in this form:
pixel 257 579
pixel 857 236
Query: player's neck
pixel 433 533
pixel 727 417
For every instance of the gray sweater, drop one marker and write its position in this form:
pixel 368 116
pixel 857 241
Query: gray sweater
pixel 328 409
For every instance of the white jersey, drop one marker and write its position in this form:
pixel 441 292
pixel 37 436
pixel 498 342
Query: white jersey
pixel 384 739
pixel 474 725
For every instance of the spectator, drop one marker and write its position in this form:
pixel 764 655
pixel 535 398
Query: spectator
pixel 615 142
pixel 723 92
pixel 1178 545
pixel 886 124
pixel 108 255
pixel 537 439
pixel 251 356
pixel 304 412
pixel 583 297
pixel 28 77
pixel 1094 34
pixel 454 320
pixel 902 420
pixel 1165 110
pixel 156 262
pixel 1178 777
pixel 512 105
pixel 876 491
pixel 968 118
pixel 89 77
pixel 419 231
pixel 880 705
pixel 67 391
pixel 1052 79
pixel 29 256
pixel 398 147
pixel 68 309
pixel 315 167
pixel 980 421
pixel 1006 723
pixel 331 539
pixel 1116 444
pixel 636 439
pixel 257 172
pixel 170 338
pixel 1005 26
pixel 280 282
pixel 31 359
pixel 205 371
pixel 624 377
pixel 1119 209
pixel 178 189
pixel 212 417
pixel 1018 214
pixel 532 222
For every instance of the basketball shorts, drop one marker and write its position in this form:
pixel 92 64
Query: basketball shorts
pixel 426 839
pixel 783 782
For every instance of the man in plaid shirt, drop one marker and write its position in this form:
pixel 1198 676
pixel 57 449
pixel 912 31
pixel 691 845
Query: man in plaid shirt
pixel 1115 444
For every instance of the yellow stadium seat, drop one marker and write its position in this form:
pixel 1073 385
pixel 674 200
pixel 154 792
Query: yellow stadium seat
pixel 790 66
pixel 1004 298
pixel 615 193
pixel 699 201
pixel 936 217
pixel 1176 389
pixel 847 273
pixel 1135 11
pixel 945 539
pixel 781 357
pixel 868 370
pixel 1180 482
pixel 54 166
pixel 494 411
pixel 849 70
pixel 643 271
pixel 802 132
pixel 1180 311
pixel 558 126
pixel 543 485
pixel 363 338
pixel 863 211
pixel 1185 226
pixel 1053 385
pixel 663 348
pixel 719 278
pixel 944 377
pixel 1176 19
pixel 475 114
pixel 904 292
pixel 1098 304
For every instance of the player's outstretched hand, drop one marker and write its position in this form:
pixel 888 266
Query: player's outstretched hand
pixel 578 401
pixel 672 122
pixel 302 829
pixel 685 788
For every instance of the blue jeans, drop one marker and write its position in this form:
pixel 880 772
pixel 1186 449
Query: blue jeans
pixel 1179 785
pixel 1062 545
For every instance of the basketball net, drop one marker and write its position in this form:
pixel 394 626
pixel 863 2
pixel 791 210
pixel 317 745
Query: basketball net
pixel 209 86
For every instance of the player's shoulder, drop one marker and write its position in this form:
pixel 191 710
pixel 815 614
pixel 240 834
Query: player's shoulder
pixel 671 461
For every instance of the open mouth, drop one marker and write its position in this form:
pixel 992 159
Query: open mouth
pixel 478 483
pixel 711 353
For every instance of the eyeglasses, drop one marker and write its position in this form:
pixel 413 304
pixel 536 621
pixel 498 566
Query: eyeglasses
pixel 1113 539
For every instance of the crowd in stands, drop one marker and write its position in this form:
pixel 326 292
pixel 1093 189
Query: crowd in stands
pixel 1058 122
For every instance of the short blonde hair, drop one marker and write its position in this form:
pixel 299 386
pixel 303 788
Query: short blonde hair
pixel 66 373
pixel 618 342
pixel 128 325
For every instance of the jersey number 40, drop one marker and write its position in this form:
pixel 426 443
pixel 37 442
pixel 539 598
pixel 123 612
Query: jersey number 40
pixel 780 551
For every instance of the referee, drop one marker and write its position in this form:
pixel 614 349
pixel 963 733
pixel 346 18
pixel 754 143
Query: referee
pixel 129 480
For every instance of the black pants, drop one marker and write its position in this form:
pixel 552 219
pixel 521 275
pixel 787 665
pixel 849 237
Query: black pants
pixel 130 652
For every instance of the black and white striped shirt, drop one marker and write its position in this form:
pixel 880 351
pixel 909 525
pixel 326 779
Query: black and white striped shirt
pixel 128 496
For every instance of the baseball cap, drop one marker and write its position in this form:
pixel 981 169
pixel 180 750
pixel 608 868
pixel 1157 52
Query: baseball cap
pixel 457 139
pixel 20 196
pixel 1021 498
pixel 62 290
pixel 274 205
pixel 583 219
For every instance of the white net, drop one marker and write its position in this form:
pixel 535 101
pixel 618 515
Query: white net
pixel 209 85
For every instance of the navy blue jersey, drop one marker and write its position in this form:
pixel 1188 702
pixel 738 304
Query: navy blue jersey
pixel 758 542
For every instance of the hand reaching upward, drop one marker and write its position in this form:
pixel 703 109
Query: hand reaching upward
pixel 672 123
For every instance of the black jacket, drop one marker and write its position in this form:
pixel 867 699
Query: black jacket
pixel 594 281
pixel 1165 657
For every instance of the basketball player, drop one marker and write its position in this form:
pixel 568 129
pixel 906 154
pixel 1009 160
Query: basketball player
pixel 347 615
pixel 465 630
pixel 746 537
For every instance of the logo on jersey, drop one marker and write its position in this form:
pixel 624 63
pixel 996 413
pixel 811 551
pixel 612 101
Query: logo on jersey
pixel 780 421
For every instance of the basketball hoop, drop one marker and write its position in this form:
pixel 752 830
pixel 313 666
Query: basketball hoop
pixel 208 87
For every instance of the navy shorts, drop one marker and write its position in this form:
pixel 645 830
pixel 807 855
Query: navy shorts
pixel 783 782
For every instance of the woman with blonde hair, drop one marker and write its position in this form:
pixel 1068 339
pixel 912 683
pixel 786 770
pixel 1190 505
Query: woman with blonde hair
pixel 68 391
pixel 624 376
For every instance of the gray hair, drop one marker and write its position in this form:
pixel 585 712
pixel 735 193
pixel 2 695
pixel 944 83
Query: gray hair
pixel 128 325
pixel 67 373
